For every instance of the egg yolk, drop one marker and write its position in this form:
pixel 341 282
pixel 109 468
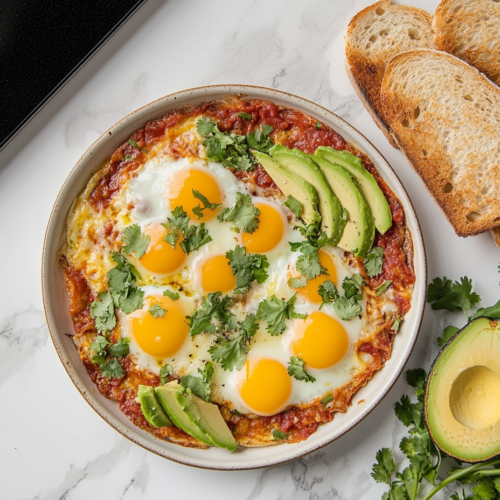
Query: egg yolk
pixel 160 337
pixel 160 257
pixel 310 291
pixel 269 232
pixel 265 386
pixel 320 340
pixel 180 192
pixel 217 275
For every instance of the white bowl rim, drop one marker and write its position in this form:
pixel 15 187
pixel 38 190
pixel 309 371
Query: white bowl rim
pixel 81 173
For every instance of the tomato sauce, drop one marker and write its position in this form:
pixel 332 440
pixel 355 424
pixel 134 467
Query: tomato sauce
pixel 294 130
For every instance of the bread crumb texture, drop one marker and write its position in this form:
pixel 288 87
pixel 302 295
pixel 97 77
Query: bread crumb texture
pixel 470 30
pixel 446 119
pixel 375 35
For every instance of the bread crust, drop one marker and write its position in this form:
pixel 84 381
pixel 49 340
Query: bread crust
pixel 426 150
pixel 364 68
pixel 465 29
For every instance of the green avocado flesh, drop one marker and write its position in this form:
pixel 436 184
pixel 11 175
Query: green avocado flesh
pixel 330 209
pixel 462 403
pixel 366 182
pixel 198 418
pixel 207 417
pixel 291 184
pixel 151 408
pixel 359 231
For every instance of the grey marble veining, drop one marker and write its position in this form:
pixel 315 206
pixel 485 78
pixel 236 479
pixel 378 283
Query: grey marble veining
pixel 52 444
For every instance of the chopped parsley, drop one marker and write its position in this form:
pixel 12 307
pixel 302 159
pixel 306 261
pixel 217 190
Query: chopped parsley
pixel 199 386
pixel 347 306
pixel 379 290
pixel 198 210
pixel 374 261
pixel 193 236
pixel 136 146
pixel 275 311
pixel 318 125
pixel 247 268
pixel 442 293
pixel 134 241
pixel 213 308
pixel 165 371
pixel 296 369
pixel 328 398
pixel 231 352
pixel 308 263
pixel 243 213
pixel 171 295
pixel 246 116
pixel 294 205
pixel 157 311
pixel 278 435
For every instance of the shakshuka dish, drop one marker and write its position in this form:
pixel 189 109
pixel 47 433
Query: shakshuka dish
pixel 236 271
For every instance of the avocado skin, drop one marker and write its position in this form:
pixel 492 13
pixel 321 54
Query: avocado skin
pixel 330 209
pixel 151 408
pixel 291 184
pixel 368 185
pixel 431 374
pixel 359 235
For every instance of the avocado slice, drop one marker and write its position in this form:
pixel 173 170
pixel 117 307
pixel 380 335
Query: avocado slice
pixel 291 184
pixel 151 408
pixel 359 231
pixel 166 395
pixel 207 417
pixel 330 209
pixel 462 401
pixel 367 184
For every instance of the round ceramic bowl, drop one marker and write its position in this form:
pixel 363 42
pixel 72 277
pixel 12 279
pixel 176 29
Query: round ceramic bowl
pixel 56 300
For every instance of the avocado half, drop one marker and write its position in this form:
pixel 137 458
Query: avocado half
pixel 462 400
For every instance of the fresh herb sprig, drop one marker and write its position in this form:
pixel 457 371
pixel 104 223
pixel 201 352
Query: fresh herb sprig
pixel 296 369
pixel 213 316
pixel 105 354
pixel 247 268
pixel 244 214
pixel 275 311
pixel 347 306
pixel 200 386
pixel 374 261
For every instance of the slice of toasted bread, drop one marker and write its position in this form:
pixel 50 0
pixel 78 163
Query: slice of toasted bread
pixel 373 37
pixel 470 30
pixel 445 116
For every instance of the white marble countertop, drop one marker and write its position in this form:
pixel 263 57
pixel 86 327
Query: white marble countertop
pixel 53 446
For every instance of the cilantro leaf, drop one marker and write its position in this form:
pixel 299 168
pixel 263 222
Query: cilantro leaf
pixel 492 312
pixel 194 238
pixel 347 308
pixel 171 295
pixel 120 349
pixel 353 286
pixel 296 369
pixel 374 261
pixel 103 311
pixel 213 307
pixel 278 435
pixel 409 413
pixel 318 125
pixel 379 290
pixel 443 294
pixel 384 467
pixel 328 292
pixel 200 386
pixel 132 301
pixel 205 126
pixel 99 348
pixel 243 213
pixel 294 205
pixel 165 371
pixel 246 116
pixel 448 333
pixel 231 353
pixel 198 210
pixel 134 241
pixel 328 398
pixel 136 146
pixel 309 265
pixel 176 225
pixel 275 311
pixel 396 324
pixel 297 282
pixel 112 369
pixel 260 140
pixel 157 311
pixel 247 268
